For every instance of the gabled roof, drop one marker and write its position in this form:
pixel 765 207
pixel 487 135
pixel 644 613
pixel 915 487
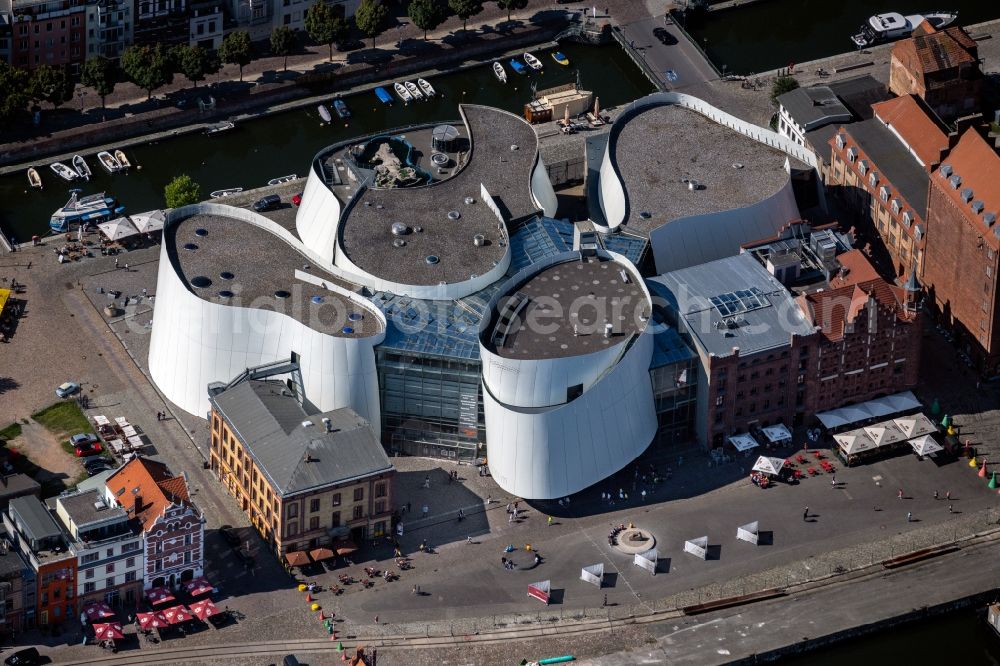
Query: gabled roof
pixel 833 309
pixel 937 51
pixel 150 482
pixel 892 160
pixel 909 120
pixel 814 107
pixel 978 165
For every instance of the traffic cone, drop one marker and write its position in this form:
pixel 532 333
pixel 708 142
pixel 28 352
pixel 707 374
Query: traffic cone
pixel 309 598
pixel 321 616
pixel 972 462
pixel 340 647
pixel 982 470
pixel 992 485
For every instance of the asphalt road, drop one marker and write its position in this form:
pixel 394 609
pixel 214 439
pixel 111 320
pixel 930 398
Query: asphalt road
pixel 678 65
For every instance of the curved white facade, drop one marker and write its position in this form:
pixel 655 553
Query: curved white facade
pixel 196 342
pixel 541 189
pixel 318 216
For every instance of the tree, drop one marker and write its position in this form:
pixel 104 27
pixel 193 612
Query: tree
pixel 13 92
pixel 237 49
pixel 426 14
pixel 510 5
pixel 325 26
pixel 195 62
pixel 149 67
pixel 465 9
pixel 283 41
pixel 51 84
pixel 100 74
pixel 370 16
pixel 781 85
pixel 181 191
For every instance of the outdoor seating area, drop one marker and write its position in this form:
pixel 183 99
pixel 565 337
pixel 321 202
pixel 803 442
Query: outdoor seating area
pixel 120 436
pixel 889 437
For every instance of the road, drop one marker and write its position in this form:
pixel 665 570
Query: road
pixel 678 65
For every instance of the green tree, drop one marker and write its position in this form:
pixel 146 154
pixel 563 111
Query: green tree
pixel 100 74
pixel 195 62
pixel 283 42
pixel 181 191
pixel 237 49
pixel 149 67
pixel 426 14
pixel 511 5
pixel 465 9
pixel 370 16
pixel 781 85
pixel 325 26
pixel 13 92
pixel 51 84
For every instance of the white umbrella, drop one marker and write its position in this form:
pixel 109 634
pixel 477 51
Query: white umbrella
pixel 149 222
pixel 117 229
pixel 743 442
pixel 855 441
pixel 768 465
pixel 925 445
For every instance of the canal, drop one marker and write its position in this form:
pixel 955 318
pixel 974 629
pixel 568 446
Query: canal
pixel 770 34
pixel 277 145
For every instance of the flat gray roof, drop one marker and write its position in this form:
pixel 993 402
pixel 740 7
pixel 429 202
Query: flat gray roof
pixel 816 105
pixel 892 160
pixel 585 294
pixel 82 510
pixel 661 146
pixel 35 520
pixel 365 232
pixel 733 302
pixel 296 457
pixel 260 265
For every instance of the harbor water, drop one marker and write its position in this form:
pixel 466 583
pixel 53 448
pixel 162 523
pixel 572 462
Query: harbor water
pixel 278 145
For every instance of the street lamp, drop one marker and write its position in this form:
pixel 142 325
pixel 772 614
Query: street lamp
pixel 81 94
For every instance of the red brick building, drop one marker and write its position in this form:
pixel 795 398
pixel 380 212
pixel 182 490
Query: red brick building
pixel 963 239
pixel 941 67
pixel 48 32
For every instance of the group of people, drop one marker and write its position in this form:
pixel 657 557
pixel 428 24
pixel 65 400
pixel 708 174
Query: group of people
pixel 613 535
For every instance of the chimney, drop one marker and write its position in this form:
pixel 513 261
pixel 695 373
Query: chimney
pixel 138 503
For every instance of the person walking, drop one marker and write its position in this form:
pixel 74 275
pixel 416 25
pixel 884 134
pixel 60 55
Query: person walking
pixel 899 494
pixel 935 494
pixel 605 602
pixel 468 539
pixel 950 509
pixel 805 514
pixel 833 482
pixel 947 495
pixel 116 263
pixel 549 521
pixel 424 510
pixel 909 517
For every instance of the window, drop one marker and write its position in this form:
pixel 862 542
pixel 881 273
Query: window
pixel 129 547
pixel 292 511
pixel 110 552
pixel 90 557
pixel 380 489
pixel 188 539
pixel 109 583
pixel 292 529
pixel 158 565
pixel 359 494
pixel 336 499
pixel 379 506
pixel 335 519
pixel 89 574
pixel 314 523
pixel 314 505
pixel 359 512
pixel 110 568
pixel 287 18
pixel 187 557
pixel 130 576
pixel 130 562
pixel 719 400
pixel 89 587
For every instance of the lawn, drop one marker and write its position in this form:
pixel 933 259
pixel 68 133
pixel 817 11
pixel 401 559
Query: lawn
pixel 63 419
pixel 10 432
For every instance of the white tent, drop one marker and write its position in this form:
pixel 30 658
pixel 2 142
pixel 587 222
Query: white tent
pixel 697 547
pixel 149 222
pixel 594 574
pixel 777 433
pixel 768 465
pixel 117 229
pixel 647 560
pixel 748 532
pixel 884 433
pixel 915 425
pixel 873 409
pixel 743 442
pixel 854 441
pixel 925 445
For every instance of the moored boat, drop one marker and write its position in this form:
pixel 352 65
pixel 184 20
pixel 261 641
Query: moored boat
pixel 223 126
pixel 532 61
pixel 341 108
pixel 403 93
pixel 500 72
pixel 893 25
pixel 560 58
pixel 218 194
pixel 283 179
pixel 64 171
pixel 108 161
pixel 81 166
pixel 412 88
pixel 426 88
pixel 324 113
pixel 383 95
pixel 517 66
pixel 122 160
pixel 81 210
pixel 34 178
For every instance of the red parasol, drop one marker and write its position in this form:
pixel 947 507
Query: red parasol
pixel 159 595
pixel 151 621
pixel 198 587
pixel 110 630
pixel 204 609
pixel 177 614
pixel 97 611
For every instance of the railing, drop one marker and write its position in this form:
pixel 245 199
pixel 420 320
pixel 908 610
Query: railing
pixel 639 61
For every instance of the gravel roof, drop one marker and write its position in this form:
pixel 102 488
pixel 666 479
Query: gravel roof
pixel 261 265
pixel 587 293
pixel 366 238
pixel 659 147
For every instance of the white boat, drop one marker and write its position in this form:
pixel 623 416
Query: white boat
pixel 223 126
pixel 34 178
pixel 500 72
pixel 122 160
pixel 81 210
pixel 324 113
pixel 218 194
pixel 81 166
pixel 403 93
pixel 426 88
pixel 412 88
pixel 533 62
pixel 893 25
pixel 64 171
pixel 283 179
pixel 108 161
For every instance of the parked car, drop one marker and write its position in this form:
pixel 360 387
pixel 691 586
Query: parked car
pixel 297 199
pixel 664 36
pixel 67 389
pixel 270 202
pixel 230 535
pixel 83 438
pixel 96 465
pixel 25 657
pixel 86 450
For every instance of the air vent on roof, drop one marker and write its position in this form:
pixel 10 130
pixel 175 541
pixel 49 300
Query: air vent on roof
pixel 399 229
pixel 399 242
pixel 945 170
pixel 307 424
pixel 966 194
pixel 469 201
pixel 479 240
pixel 977 206
pixel 989 219
pixel 955 181
pixel 454 215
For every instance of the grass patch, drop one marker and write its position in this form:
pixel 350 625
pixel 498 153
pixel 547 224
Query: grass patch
pixel 10 432
pixel 63 418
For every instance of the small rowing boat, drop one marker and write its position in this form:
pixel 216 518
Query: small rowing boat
pixel 122 160
pixel 426 88
pixel 403 93
pixel 341 108
pixel 560 58
pixel 64 171
pixel 81 166
pixel 34 178
pixel 533 62
pixel 518 66
pixel 412 88
pixel 383 95
pixel 283 179
pixel 500 72
pixel 324 113
pixel 109 162
pixel 223 126
pixel 218 194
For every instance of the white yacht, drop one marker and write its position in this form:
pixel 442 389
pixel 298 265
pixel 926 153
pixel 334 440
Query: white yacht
pixel 893 25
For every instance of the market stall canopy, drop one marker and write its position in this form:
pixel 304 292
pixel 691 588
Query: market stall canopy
pixel 149 222
pixel 298 558
pixel 344 547
pixel 151 621
pixel 320 554
pixel 873 409
pixel 97 611
pixel 117 229
pixel 915 425
pixel 855 441
pixel 743 442
pixel 768 465
pixel 777 433
pixel 112 630
pixel 159 595
pixel 884 433
pixel 204 609
pixel 198 587
pixel 925 445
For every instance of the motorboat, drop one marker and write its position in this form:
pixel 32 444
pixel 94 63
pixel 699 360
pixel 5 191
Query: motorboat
pixel 518 66
pixel 341 108
pixel 560 58
pixel 383 95
pixel 403 93
pixel 500 72
pixel 223 126
pixel 324 113
pixel 81 166
pixel 34 178
pixel 81 210
pixel 426 88
pixel 283 179
pixel 64 171
pixel 122 160
pixel 893 25
pixel 412 88
pixel 218 194
pixel 108 161
pixel 532 61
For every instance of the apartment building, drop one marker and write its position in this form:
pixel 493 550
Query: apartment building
pixel 110 28
pixel 46 32
pixel 941 67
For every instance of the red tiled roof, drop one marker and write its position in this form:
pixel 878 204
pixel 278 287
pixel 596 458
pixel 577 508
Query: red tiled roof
pixel 978 165
pixel 153 484
pixel 832 309
pixel 936 51
pixel 910 121
pixel 859 269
